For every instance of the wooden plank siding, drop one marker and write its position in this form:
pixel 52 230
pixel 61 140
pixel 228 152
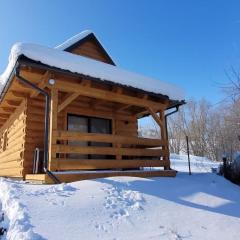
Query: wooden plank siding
pixel 92 50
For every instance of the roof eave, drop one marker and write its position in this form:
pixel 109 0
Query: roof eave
pixel 26 61
pixel 23 60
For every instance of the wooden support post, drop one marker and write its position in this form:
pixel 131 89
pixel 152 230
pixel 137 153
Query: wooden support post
pixel 53 127
pixel 160 120
pixel 118 145
pixel 164 137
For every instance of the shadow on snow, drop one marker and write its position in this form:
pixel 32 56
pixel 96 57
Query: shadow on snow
pixel 183 186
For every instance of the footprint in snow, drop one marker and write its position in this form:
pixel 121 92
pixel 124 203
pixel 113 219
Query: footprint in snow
pixel 122 201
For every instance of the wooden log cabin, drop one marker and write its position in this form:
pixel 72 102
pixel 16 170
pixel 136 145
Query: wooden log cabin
pixel 68 113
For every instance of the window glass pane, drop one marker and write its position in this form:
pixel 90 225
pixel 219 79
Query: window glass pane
pixel 99 125
pixel 76 123
pixel 92 125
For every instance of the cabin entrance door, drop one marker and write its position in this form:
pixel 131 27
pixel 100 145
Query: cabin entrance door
pixel 86 124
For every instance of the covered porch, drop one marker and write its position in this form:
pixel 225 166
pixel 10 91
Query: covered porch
pixel 120 152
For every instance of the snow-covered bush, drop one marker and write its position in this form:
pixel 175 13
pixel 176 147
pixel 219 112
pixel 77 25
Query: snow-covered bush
pixel 236 169
pixel 232 169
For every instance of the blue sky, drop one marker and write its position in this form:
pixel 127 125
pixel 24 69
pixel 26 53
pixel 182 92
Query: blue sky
pixel 188 43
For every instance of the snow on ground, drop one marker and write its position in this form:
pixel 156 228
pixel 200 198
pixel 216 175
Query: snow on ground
pixel 197 164
pixel 201 206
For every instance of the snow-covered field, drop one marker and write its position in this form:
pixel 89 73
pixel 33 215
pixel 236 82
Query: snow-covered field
pixel 200 206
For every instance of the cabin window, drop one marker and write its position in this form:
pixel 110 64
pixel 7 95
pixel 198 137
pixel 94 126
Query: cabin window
pixel 88 125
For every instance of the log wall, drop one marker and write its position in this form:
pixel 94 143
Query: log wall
pixel 13 134
pixel 34 130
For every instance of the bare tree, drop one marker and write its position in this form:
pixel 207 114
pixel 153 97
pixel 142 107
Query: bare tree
pixel 232 88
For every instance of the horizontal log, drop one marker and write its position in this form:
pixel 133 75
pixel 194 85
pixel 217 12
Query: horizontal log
pixel 108 151
pixel 15 130
pixel 70 177
pixel 34 110
pixel 10 151
pixel 106 95
pixel 84 164
pixel 16 142
pixel 11 172
pixel 35 118
pixel 35 126
pixel 107 138
pixel 12 164
pixel 16 156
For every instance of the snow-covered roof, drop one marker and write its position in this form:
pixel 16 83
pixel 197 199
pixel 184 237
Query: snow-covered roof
pixel 89 67
pixel 76 38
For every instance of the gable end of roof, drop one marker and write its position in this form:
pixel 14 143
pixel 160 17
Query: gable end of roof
pixel 90 36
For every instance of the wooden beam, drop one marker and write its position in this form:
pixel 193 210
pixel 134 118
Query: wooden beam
pixel 67 101
pixel 160 120
pixel 13 103
pixel 86 82
pixel 71 177
pixel 42 84
pixel 18 94
pixel 117 89
pixel 4 116
pixel 53 127
pixel 107 138
pixel 105 95
pixel 8 109
pixel 155 117
pixel 60 148
pixel 86 164
pixel 124 107
pixel 163 130
pixel 97 102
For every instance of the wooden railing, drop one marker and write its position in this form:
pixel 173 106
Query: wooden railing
pixel 134 152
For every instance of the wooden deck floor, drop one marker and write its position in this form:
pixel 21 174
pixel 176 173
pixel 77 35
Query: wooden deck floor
pixel 71 177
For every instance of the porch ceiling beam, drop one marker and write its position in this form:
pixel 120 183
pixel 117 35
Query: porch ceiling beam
pixel 67 101
pixel 13 103
pixel 7 110
pixel 18 94
pixel 42 84
pixel 141 114
pixel 106 95
pixel 4 116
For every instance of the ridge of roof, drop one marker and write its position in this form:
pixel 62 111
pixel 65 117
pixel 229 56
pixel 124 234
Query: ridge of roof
pixel 74 39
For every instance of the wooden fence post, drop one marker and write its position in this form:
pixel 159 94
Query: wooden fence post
pixel 189 164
